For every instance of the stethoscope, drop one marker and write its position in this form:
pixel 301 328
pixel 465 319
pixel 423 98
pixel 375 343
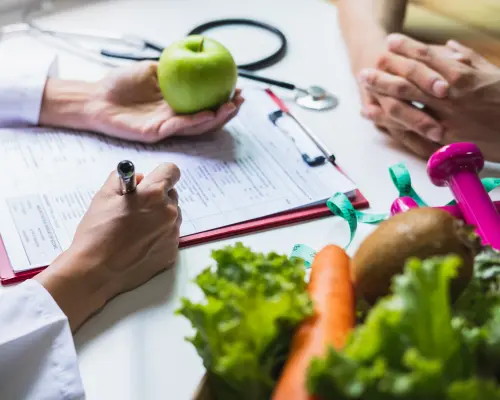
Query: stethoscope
pixel 313 97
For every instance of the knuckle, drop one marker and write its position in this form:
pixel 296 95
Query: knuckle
pixel 460 78
pixel 383 61
pixel 424 126
pixel 172 213
pixel 401 89
pixel 423 52
pixel 411 68
pixel 394 109
pixel 156 193
pixel 173 195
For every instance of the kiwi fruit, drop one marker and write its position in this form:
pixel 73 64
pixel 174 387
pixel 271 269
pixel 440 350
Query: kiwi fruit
pixel 420 232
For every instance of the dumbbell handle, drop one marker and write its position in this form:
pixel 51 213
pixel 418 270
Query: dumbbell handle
pixel 403 204
pixel 457 166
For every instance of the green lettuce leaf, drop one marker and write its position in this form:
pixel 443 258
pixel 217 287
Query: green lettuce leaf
pixel 474 389
pixel 410 346
pixel 482 295
pixel 252 305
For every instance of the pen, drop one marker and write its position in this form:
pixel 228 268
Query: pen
pixel 311 160
pixel 329 156
pixel 126 172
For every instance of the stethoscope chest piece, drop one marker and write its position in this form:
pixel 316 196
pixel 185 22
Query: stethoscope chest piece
pixel 316 98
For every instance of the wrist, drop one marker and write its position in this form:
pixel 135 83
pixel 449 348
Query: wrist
pixel 76 287
pixel 367 54
pixel 67 104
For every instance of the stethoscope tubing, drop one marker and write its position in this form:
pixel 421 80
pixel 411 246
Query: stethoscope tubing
pixel 265 62
pixel 244 70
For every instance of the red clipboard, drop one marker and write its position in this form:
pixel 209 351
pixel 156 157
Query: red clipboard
pixel 8 276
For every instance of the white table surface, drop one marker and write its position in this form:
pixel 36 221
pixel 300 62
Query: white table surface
pixel 135 348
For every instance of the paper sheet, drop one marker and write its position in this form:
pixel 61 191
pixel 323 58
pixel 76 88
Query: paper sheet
pixel 248 170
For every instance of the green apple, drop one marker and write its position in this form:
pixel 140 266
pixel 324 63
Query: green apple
pixel 196 73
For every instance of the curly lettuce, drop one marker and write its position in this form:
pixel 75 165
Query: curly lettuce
pixel 244 326
pixel 413 345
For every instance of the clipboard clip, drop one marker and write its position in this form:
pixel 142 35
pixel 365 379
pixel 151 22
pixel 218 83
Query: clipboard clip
pixel 311 156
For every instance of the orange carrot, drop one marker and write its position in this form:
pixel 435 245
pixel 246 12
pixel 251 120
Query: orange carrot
pixel 331 290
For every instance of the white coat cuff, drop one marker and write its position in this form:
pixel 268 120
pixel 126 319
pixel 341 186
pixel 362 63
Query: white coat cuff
pixel 38 333
pixel 22 83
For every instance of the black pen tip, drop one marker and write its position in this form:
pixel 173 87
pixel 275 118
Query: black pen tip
pixel 126 167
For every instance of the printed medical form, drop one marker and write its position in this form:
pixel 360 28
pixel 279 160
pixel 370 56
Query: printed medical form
pixel 246 171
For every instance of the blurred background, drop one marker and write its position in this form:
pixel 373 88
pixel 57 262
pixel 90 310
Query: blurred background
pixel 476 23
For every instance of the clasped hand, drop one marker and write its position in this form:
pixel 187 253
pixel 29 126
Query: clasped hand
pixel 459 89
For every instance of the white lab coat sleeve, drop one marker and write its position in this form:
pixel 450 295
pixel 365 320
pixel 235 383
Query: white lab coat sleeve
pixel 22 83
pixel 38 359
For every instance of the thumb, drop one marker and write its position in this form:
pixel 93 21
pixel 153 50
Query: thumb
pixel 165 175
pixel 112 185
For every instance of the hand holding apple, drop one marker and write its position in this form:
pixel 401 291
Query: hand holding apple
pixel 195 74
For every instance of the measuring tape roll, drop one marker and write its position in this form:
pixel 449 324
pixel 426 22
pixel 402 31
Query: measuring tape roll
pixel 341 206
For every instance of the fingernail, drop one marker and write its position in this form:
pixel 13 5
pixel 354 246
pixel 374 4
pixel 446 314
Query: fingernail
pixel 440 88
pixel 452 43
pixel 366 76
pixel 457 56
pixel 435 134
pixel 368 113
pixel 394 40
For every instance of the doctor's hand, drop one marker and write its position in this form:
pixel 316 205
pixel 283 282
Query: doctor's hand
pixel 468 111
pixel 127 104
pixel 121 242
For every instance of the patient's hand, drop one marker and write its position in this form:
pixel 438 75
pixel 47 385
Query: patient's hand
pixel 414 128
pixel 468 111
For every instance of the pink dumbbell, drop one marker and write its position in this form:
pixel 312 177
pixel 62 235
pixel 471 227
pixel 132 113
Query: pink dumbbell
pixel 402 204
pixel 457 166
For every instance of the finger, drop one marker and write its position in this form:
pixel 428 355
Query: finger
pixel 412 119
pixel 112 185
pixel 139 177
pixel 420 74
pixel 381 82
pixel 238 101
pixel 237 92
pixel 179 217
pixel 180 123
pixel 418 51
pixel 173 195
pixel 467 55
pixel 413 142
pixel 224 113
pixel 372 112
pixel 165 176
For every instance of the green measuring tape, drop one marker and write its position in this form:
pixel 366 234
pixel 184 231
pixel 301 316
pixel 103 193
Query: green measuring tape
pixel 341 206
